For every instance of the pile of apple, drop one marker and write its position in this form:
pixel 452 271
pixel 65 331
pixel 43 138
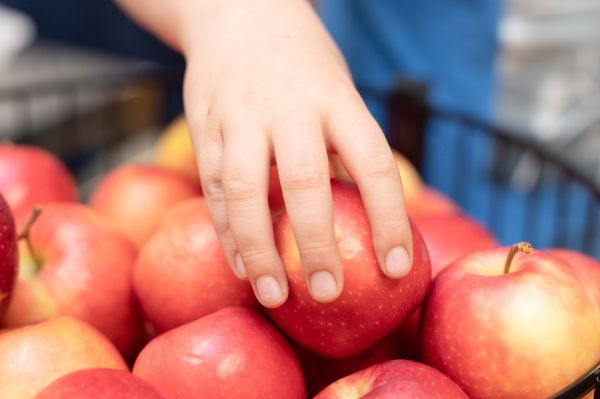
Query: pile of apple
pixel 131 296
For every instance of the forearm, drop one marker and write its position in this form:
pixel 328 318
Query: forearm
pixel 174 21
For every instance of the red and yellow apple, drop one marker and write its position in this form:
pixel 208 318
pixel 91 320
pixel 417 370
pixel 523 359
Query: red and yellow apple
pixel 9 256
pixel 135 197
pixel 34 356
pixel 99 383
pixel 31 176
pixel 181 274
pixel 233 353
pixel 523 334
pixel 80 267
pixel 371 305
pixel 174 150
pixel 587 268
pixel 396 379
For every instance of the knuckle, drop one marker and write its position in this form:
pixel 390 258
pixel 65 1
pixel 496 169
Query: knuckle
pixel 306 177
pixel 240 188
pixel 380 166
pixel 214 192
pixel 315 248
pixel 392 221
pixel 256 254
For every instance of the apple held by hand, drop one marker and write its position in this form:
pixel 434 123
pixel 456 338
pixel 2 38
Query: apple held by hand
pixel 9 256
pixel 371 304
pixel 233 353
pixel 587 268
pixel 181 274
pixel 78 266
pixel 31 176
pixel 34 356
pixel 99 383
pixel 396 379
pixel 525 333
pixel 135 197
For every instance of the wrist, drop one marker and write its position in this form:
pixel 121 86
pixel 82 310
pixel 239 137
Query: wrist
pixel 196 18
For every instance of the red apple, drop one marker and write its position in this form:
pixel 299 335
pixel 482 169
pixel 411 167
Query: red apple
pixel 449 237
pixel 233 353
pixel 431 202
pixel 82 268
pixel 34 356
pixel 523 334
pixel 134 198
pixel 396 379
pixel 30 176
pixel 587 268
pixel 371 304
pixel 321 371
pixel 9 256
pixel 99 383
pixel 181 274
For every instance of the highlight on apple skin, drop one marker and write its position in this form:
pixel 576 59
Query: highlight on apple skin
pixel 371 304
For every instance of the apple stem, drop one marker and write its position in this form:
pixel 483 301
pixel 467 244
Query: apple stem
pixel 25 233
pixel 524 247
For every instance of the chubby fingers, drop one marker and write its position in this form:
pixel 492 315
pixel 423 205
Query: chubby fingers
pixel 366 155
pixel 246 165
pixel 304 174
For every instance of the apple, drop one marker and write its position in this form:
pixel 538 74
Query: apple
pixel 504 328
pixel 9 256
pixel 233 353
pixel 449 237
pixel 396 379
pixel 321 371
pixel 78 266
pixel 587 268
pixel 135 197
pixel 431 202
pixel 34 356
pixel 174 150
pixel 30 176
pixel 99 383
pixel 371 305
pixel 181 274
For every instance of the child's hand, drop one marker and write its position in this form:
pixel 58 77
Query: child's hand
pixel 265 82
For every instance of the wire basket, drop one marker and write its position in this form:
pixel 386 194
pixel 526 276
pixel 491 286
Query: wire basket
pixel 520 190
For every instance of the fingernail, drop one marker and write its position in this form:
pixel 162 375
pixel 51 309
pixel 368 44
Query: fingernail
pixel 322 285
pixel 269 290
pixel 397 262
pixel 239 265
